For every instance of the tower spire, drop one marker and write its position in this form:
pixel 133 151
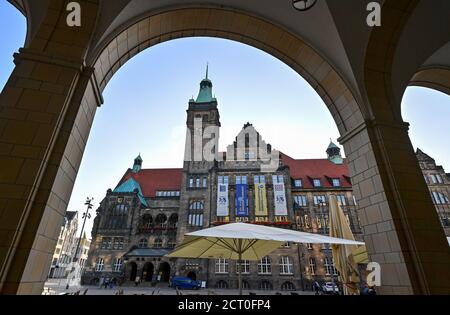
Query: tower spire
pixel 207 69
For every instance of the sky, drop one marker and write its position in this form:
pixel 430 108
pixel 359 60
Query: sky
pixel 145 107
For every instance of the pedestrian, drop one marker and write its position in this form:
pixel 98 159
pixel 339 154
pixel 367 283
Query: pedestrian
pixel 136 281
pixel 372 291
pixel 316 286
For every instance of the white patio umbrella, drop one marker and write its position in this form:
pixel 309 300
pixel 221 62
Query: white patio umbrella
pixel 244 241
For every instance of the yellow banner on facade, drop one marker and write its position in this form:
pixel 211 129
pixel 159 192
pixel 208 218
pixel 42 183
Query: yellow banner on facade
pixel 260 200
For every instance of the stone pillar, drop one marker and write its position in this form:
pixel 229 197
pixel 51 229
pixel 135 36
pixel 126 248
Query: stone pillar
pixel 400 224
pixel 46 110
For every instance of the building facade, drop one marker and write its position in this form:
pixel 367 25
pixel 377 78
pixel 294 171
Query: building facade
pixel 62 257
pixel 150 210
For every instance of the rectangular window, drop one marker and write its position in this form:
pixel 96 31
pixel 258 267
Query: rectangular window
pixel 277 179
pixel 300 201
pixel 434 179
pixel 439 179
pixel 320 200
pixel 100 264
pixel 205 182
pixel 241 180
pixel 222 180
pixel 317 183
pixel 286 266
pixel 341 200
pixel 191 182
pixel 260 179
pixel 312 266
pixel 427 180
pixel 197 182
pixel 118 265
pixel 221 265
pixel 298 183
pixel 245 267
pixel 336 182
pixel 265 266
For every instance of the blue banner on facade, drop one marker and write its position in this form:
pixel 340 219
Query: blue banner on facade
pixel 241 200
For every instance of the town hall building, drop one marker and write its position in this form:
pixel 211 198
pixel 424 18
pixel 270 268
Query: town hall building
pixel 150 210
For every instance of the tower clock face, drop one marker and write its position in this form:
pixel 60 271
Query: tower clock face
pixel 303 5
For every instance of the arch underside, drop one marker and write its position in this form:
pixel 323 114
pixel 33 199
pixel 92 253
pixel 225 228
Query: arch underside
pixel 243 28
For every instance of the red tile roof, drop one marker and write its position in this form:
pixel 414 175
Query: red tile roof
pixel 153 180
pixel 322 169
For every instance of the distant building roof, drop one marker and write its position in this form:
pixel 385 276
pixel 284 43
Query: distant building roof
pixel 153 180
pixel 322 169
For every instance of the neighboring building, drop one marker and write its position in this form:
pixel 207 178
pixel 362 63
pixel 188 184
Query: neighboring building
pixel 63 254
pixel 439 185
pixel 150 210
pixel 83 250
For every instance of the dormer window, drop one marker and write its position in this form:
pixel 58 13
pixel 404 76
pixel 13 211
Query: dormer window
pixel 298 183
pixel 316 182
pixel 336 182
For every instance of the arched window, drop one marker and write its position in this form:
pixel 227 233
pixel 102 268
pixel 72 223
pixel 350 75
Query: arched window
pixel 147 221
pixel 265 285
pixel 286 265
pixel 158 243
pixel 161 220
pixel 117 217
pixel 173 220
pixel 143 243
pixel 222 284
pixel 288 286
pixel 195 215
pixel 265 266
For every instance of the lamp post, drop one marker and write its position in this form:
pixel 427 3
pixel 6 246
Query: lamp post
pixel 86 215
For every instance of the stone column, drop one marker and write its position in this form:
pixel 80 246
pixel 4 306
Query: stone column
pixel 46 110
pixel 400 224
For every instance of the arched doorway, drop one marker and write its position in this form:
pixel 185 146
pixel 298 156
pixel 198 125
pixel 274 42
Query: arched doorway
pixel 147 272
pixel 132 270
pixel 164 271
pixel 192 275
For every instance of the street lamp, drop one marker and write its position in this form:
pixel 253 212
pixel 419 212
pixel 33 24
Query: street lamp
pixel 86 215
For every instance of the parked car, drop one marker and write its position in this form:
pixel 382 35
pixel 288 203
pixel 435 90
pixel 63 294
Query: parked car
pixel 185 283
pixel 330 288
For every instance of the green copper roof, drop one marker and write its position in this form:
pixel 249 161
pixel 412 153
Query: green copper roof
pixel 130 186
pixel 332 146
pixel 205 94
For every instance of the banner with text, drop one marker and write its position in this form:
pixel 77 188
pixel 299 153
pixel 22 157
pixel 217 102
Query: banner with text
pixel 260 200
pixel 222 200
pixel 280 199
pixel 241 200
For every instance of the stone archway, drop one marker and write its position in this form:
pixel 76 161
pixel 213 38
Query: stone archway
pixel 131 271
pixel 164 271
pixel 147 272
pixel 53 94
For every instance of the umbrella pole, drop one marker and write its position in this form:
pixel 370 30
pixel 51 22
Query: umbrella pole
pixel 240 267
